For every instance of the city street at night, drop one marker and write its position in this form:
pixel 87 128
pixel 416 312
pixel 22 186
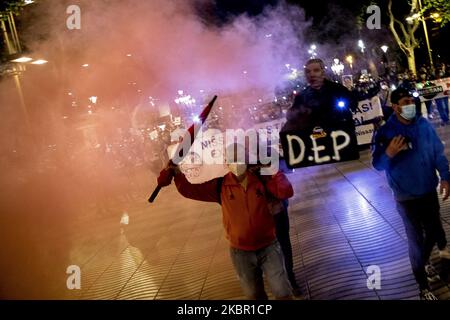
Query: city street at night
pixel 343 220
pixel 212 150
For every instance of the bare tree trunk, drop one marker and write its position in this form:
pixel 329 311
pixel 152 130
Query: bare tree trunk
pixel 404 34
pixel 412 61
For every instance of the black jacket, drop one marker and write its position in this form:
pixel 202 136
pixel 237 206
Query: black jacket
pixel 328 107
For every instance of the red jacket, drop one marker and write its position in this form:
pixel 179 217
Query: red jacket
pixel 246 217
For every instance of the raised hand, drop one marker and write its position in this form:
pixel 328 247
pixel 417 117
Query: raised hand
pixel 395 146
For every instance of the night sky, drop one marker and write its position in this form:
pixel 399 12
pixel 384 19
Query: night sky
pixel 333 21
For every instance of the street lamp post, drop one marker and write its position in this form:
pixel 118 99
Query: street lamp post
pixel 5 36
pixel 425 30
pixel 15 36
pixel 385 48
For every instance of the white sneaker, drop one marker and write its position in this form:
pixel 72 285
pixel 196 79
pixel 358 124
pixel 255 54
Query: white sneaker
pixel 444 254
pixel 427 295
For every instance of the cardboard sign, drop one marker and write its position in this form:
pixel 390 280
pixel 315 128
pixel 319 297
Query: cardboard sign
pixel 430 91
pixel 440 89
pixel 204 160
pixel 270 126
pixel 364 133
pixel 321 146
pixel 367 110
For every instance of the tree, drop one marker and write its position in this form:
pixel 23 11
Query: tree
pixel 13 6
pixel 8 8
pixel 441 7
pixel 404 32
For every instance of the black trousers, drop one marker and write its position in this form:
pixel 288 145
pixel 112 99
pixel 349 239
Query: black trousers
pixel 282 231
pixel 424 229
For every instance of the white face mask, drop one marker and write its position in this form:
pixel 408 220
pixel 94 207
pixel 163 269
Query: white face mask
pixel 237 169
pixel 408 111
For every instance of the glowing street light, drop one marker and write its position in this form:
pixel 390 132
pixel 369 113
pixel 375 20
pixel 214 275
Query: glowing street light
pixel 435 15
pixel 312 51
pixel 39 61
pixel 349 60
pixel 384 48
pixel 22 60
pixel 361 45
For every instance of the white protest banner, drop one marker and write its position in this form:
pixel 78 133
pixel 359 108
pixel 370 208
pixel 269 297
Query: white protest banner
pixel 367 110
pixel 364 133
pixel 438 89
pixel 205 158
pixel 305 148
pixel 270 126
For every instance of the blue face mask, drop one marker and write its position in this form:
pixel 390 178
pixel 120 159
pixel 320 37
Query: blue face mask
pixel 408 111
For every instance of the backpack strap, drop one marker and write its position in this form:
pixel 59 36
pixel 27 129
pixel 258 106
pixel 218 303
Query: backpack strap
pixel 219 188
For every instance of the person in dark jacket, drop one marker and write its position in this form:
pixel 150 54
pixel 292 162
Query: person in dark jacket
pixel 323 103
pixel 408 149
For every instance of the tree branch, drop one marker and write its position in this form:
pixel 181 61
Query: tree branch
pixel 402 27
pixel 393 30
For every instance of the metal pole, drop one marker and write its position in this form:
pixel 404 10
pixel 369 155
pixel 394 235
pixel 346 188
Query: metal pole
pixel 16 72
pixel 14 32
pixel 5 35
pixel 425 30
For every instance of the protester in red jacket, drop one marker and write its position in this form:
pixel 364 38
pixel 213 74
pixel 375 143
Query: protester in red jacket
pixel 248 223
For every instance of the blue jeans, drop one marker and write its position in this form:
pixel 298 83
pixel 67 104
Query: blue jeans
pixel 429 105
pixel 442 106
pixel 250 265
pixel 282 230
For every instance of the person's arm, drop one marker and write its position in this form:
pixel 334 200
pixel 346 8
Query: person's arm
pixel 380 160
pixel 295 110
pixel 279 186
pixel 381 156
pixel 352 100
pixel 441 163
pixel 298 101
pixel 207 191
